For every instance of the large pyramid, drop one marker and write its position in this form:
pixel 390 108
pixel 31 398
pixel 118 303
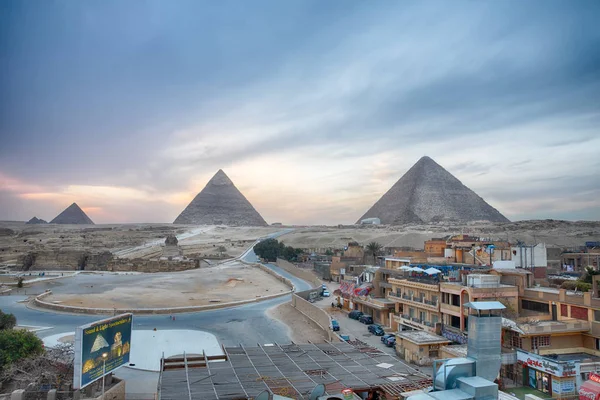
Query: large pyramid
pixel 429 193
pixel 72 215
pixel 220 203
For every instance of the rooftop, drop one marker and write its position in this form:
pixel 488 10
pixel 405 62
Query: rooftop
pixel 287 370
pixel 422 337
pixel 580 357
pixel 459 350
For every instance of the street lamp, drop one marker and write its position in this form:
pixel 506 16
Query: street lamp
pixel 104 355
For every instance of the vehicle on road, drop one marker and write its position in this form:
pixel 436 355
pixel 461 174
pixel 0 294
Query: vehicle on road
pixel 324 287
pixel 326 293
pixel 366 319
pixel 355 314
pixel 390 342
pixel 386 336
pixel 334 325
pixel 376 330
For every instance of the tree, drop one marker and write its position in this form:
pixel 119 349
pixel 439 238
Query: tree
pixel 268 249
pixel 7 321
pixel 16 344
pixel 20 282
pixel 221 250
pixel 328 252
pixel 589 273
pixel 374 248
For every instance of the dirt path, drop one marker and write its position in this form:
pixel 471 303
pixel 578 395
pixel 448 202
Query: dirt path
pixel 301 329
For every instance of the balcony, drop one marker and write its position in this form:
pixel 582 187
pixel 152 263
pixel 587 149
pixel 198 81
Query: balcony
pixel 450 309
pixel 413 322
pixel 385 285
pixel 415 301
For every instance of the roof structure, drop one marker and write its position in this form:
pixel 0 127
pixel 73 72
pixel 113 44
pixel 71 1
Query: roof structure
pixel 422 337
pixel 485 305
pixel 287 370
pixel 72 215
pixel 429 193
pixel 220 203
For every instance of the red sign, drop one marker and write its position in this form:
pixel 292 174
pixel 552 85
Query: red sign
pixel 594 377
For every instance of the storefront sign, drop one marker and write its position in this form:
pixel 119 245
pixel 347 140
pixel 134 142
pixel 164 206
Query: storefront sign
pixel 594 377
pixel 542 364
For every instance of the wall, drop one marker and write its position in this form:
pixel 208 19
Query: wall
pixel 116 392
pixel 74 260
pixel 299 272
pixel 540 256
pixel 314 313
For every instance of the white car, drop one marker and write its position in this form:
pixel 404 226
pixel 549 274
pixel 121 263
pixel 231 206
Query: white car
pixel 326 293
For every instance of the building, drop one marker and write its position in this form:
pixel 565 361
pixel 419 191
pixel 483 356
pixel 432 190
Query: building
pixel 419 347
pixel 417 304
pixel 354 250
pixel 435 247
pixel 530 256
pixel 476 287
pixel 370 221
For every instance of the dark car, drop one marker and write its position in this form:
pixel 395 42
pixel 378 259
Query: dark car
pixel 376 330
pixel 355 314
pixel 386 336
pixel 334 325
pixel 390 342
pixel 366 319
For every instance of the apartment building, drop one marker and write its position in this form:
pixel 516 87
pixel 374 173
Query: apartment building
pixel 417 304
pixel 476 287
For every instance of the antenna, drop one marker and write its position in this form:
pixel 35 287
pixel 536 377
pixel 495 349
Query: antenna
pixel 317 392
pixel 264 395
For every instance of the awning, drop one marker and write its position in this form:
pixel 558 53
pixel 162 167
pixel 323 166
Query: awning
pixel 589 390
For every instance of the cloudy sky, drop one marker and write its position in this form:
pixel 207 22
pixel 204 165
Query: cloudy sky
pixel 313 108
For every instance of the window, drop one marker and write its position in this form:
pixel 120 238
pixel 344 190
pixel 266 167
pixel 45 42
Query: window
pixel 455 300
pixel 434 319
pixel 422 316
pixel 597 344
pixel 515 340
pixel 421 296
pixel 434 299
pixel 535 306
pixel 540 341
pixel 433 353
pixel 411 312
pixel 597 315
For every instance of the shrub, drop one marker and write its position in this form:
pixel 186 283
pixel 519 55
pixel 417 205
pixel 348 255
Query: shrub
pixel 20 282
pixel 18 344
pixel 7 321
pixel 576 285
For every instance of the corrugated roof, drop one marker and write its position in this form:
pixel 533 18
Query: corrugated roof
pixel 289 370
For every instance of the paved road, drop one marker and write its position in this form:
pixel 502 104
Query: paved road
pixel 245 324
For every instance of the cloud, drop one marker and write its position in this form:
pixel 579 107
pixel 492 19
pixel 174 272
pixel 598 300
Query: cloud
pixel 326 105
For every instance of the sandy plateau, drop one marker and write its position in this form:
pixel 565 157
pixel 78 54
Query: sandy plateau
pixel 231 281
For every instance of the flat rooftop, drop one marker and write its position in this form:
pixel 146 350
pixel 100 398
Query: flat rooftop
pixel 289 370
pixel 422 337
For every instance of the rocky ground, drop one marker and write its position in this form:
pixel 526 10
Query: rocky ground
pixel 553 233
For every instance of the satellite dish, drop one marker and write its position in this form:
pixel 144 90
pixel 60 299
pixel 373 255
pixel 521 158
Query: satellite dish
pixel 317 392
pixel 264 395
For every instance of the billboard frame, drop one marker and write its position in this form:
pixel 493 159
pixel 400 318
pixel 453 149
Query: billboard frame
pixel 78 347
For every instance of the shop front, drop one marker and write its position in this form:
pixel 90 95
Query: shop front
pixel 554 378
pixel 590 389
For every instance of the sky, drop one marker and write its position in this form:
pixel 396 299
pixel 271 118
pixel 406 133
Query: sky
pixel 313 108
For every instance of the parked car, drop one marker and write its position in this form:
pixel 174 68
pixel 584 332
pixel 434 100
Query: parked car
pixel 355 314
pixel 366 319
pixel 390 342
pixel 376 330
pixel 324 287
pixel 334 325
pixel 386 336
pixel 326 293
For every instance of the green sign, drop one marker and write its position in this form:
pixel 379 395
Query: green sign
pixel 101 347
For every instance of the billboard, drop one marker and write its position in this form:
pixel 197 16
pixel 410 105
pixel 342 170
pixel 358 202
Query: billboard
pixel 101 347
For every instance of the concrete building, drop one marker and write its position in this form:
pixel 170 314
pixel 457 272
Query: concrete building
pixel 528 257
pixel 477 287
pixel 419 347
pixel 417 303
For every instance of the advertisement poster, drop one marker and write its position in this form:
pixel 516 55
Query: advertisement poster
pixel 101 347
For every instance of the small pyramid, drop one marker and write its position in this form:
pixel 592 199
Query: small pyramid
pixel 72 215
pixel 36 220
pixel 220 203
pixel 429 193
